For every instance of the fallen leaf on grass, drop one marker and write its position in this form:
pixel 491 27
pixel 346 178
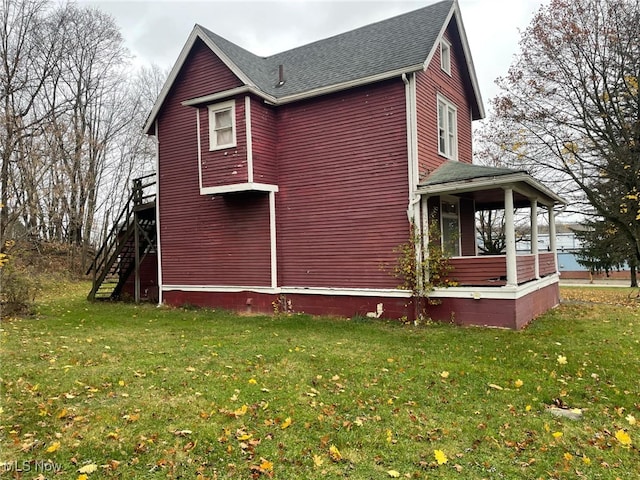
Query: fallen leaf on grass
pixel 90 468
pixel 53 447
pixel 495 387
pixel 393 473
pixel 624 438
pixel 286 423
pixel 440 457
pixel 334 453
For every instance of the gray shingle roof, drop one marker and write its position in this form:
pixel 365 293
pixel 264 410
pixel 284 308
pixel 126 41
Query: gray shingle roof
pixel 451 171
pixel 402 42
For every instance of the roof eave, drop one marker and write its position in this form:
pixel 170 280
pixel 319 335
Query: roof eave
pixel 541 192
pixel 316 92
pixel 196 33
pixel 475 86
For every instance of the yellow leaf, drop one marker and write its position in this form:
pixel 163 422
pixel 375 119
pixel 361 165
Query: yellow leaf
pixel 252 381
pixel 586 460
pixel 63 413
pixel 53 447
pixel 266 465
pixel 624 438
pixel 495 387
pixel 240 411
pixel 334 453
pixel 286 423
pixel 518 383
pixel 440 457
pixel 393 473
pixel 82 477
pixel 568 457
pixel 121 383
pixel 556 434
pixel 631 419
pixel 318 460
pixel 444 374
pixel 527 408
pixel 562 360
pixel 90 468
pixel 244 437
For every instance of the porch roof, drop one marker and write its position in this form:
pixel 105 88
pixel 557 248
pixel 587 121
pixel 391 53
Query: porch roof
pixel 485 185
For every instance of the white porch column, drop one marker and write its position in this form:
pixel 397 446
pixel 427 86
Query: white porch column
pixel 510 238
pixel 552 236
pixel 534 236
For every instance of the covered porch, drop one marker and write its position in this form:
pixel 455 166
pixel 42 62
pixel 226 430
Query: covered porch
pixel 508 289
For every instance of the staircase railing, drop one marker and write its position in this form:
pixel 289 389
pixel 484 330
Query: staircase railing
pixel 106 258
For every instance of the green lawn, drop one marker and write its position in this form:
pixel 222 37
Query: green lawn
pixel 124 391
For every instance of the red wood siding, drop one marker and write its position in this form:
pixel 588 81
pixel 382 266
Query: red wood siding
pixel 429 84
pixel 229 165
pixel 264 133
pixel 197 244
pixel 148 280
pixel 489 270
pixel 526 268
pixel 467 227
pixel 547 263
pixel 343 178
pixel 507 313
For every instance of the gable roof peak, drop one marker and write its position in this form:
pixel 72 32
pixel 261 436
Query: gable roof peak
pixel 374 52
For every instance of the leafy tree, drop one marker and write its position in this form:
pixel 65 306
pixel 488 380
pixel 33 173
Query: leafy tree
pixel 604 250
pixel 569 109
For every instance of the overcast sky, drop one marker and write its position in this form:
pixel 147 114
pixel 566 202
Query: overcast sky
pixel 156 30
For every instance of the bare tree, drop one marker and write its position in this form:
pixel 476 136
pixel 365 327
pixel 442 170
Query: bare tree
pixel 28 53
pixel 569 110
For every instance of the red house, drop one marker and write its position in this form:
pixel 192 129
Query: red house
pixel 289 181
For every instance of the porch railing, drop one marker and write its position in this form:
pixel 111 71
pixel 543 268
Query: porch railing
pixel 491 270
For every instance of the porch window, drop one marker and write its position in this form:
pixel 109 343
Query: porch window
pixel 222 125
pixel 447 129
pixel 450 221
pixel 445 56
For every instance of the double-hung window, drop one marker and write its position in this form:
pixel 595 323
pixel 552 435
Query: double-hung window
pixel 222 125
pixel 447 129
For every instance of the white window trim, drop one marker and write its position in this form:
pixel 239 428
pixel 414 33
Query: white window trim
pixel 451 148
pixel 445 56
pixel 219 107
pixel 443 215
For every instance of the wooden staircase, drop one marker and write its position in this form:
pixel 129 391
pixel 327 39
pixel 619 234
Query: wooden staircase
pixel 131 238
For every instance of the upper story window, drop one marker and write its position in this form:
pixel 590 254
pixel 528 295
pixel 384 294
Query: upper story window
pixel 445 56
pixel 222 125
pixel 447 129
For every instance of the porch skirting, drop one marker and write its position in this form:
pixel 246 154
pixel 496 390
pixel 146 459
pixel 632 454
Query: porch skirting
pixel 507 307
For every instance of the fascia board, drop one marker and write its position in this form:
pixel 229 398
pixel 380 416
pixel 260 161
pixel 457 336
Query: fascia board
pixel 214 97
pixel 195 34
pixel 316 92
pixel 239 187
pixel 225 59
pixel 455 11
pixel 173 74
pixel 483 183
pixel 469 60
